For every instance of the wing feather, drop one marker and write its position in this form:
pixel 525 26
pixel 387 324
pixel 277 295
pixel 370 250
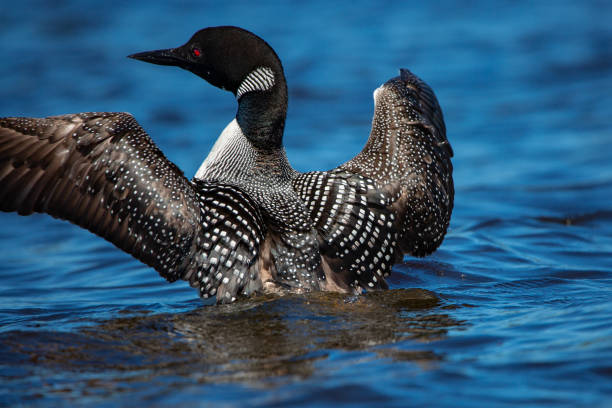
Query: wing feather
pixel 102 172
pixel 408 145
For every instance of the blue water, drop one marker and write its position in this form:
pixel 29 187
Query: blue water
pixel 518 308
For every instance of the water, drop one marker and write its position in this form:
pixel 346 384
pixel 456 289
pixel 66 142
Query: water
pixel 514 309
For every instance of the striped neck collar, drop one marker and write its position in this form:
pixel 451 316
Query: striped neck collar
pixel 260 79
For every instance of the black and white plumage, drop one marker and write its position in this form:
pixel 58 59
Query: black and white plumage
pixel 408 147
pixel 247 222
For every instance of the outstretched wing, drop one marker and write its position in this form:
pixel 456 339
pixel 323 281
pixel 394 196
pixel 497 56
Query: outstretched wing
pixel 408 146
pixel 102 172
pixel 394 197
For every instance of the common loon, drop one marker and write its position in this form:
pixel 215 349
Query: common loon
pixel 247 222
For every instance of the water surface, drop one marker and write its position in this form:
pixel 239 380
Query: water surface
pixel 513 309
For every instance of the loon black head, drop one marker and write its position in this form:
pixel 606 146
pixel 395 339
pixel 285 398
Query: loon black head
pixel 236 60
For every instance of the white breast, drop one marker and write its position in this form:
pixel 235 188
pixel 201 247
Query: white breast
pixel 229 156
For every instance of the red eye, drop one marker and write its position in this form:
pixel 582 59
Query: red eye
pixel 196 52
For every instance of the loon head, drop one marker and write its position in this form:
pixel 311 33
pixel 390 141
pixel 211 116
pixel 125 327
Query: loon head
pixel 238 61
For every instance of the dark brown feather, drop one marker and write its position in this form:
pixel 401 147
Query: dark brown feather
pixel 102 172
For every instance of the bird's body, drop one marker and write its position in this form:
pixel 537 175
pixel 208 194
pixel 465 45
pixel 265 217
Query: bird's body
pixel 247 222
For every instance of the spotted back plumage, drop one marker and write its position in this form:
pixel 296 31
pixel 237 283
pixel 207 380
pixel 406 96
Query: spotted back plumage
pixel 355 227
pixel 292 240
pixel 225 258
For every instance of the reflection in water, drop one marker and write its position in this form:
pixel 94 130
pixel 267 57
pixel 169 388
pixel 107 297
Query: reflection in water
pixel 257 339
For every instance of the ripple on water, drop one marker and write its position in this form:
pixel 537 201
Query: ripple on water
pixel 257 341
pixel 522 283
